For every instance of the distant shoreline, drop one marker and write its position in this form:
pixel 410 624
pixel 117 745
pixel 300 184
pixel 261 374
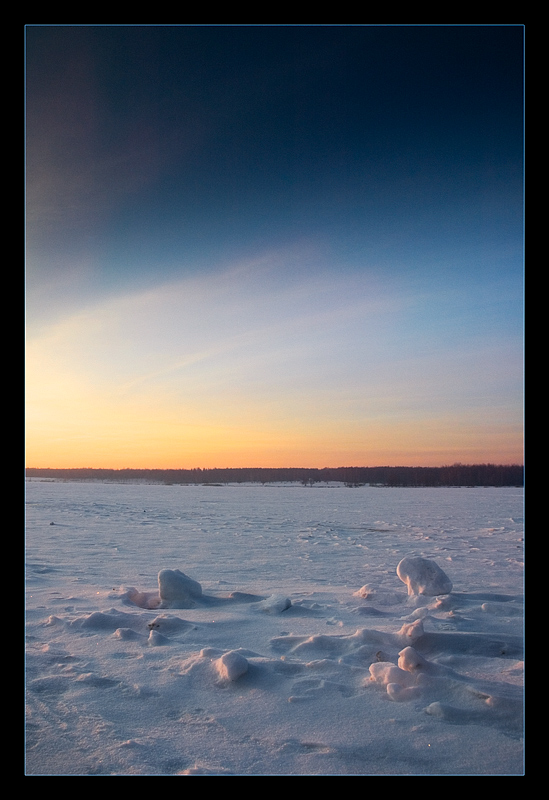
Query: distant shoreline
pixel 454 475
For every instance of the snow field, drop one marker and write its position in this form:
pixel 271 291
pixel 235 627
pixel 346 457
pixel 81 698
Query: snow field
pixel 266 631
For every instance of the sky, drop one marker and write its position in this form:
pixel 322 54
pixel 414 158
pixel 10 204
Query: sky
pixel 273 246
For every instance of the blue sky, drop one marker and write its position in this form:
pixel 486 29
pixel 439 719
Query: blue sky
pixel 274 245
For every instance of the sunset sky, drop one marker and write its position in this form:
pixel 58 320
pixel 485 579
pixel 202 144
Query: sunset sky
pixel 274 246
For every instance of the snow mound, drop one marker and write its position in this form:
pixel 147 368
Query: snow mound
pixel 275 604
pixel 380 596
pixel 423 576
pixel 169 626
pixel 411 631
pixel 177 590
pixel 128 635
pixel 386 673
pixel 231 666
pixel 134 597
pixel 157 639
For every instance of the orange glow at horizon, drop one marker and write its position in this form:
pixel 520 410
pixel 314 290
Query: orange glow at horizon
pixel 183 377
pixel 103 436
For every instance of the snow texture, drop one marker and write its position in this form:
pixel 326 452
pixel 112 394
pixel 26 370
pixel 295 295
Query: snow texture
pixel 288 645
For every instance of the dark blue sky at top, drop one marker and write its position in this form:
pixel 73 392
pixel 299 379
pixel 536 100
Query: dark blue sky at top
pixel 153 151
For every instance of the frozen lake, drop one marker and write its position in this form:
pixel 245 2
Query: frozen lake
pixel 299 582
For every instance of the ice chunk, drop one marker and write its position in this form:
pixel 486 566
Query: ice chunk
pixel 275 604
pixel 176 589
pixel 156 639
pixel 386 673
pixel 402 694
pixel 231 666
pixel 423 576
pixel 411 661
pixel 411 631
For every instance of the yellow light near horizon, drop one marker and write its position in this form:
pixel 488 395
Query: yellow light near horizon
pixel 90 430
pixel 73 421
pixel 175 379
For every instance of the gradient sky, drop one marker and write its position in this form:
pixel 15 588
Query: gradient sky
pixel 274 246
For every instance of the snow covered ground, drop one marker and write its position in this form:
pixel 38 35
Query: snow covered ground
pixel 298 652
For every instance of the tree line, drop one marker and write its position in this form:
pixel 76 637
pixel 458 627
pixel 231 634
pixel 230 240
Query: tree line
pixel 451 475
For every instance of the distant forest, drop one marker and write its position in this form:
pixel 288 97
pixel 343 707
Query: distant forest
pixel 455 475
